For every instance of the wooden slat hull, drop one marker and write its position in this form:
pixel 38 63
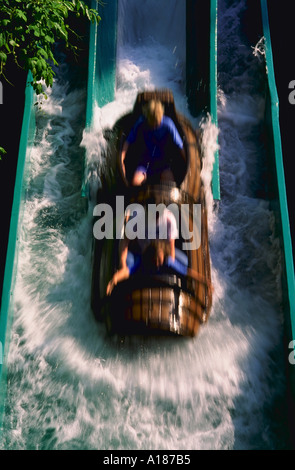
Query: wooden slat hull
pixel 157 309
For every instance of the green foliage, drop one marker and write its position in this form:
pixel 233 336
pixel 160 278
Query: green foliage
pixel 2 152
pixel 29 30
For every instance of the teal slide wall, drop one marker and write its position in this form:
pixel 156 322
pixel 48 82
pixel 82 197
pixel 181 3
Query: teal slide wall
pixel 278 198
pixel 6 315
pixel 213 91
pixel 102 58
pixel 201 67
pixel 101 65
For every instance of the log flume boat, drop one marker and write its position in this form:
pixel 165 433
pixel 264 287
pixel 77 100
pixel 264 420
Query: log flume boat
pixel 158 302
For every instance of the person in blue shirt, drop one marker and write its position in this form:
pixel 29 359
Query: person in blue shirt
pixel 157 132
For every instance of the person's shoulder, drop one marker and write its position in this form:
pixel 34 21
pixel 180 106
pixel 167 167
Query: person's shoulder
pixel 135 129
pixel 138 124
pixel 139 121
pixel 169 124
pixel 167 121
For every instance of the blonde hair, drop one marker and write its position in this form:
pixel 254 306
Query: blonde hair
pixel 154 111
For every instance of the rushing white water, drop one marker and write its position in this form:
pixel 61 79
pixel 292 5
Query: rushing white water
pixel 69 386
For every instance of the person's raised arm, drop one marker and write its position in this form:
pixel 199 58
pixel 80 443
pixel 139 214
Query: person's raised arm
pixel 172 248
pixel 119 276
pixel 123 156
pixel 124 251
pixel 123 272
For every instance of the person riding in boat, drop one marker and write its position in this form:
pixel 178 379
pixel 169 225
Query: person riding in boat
pixel 157 256
pixel 157 259
pixel 132 251
pixel 157 131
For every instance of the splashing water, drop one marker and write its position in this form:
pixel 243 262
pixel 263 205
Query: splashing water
pixel 69 386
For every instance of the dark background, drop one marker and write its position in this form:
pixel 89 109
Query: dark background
pixel 282 19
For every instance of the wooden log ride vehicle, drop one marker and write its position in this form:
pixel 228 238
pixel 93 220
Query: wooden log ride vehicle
pixel 168 303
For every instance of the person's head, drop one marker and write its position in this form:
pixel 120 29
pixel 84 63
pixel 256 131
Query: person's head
pixel 153 111
pixel 155 254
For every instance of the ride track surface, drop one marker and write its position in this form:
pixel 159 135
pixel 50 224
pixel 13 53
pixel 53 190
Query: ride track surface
pixel 222 389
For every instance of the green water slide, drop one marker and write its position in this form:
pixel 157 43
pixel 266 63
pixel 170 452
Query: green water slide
pixel 278 200
pixel 100 91
pixel 201 93
pixel 6 314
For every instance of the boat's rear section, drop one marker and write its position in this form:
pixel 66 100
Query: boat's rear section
pixel 163 308
pixel 156 303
